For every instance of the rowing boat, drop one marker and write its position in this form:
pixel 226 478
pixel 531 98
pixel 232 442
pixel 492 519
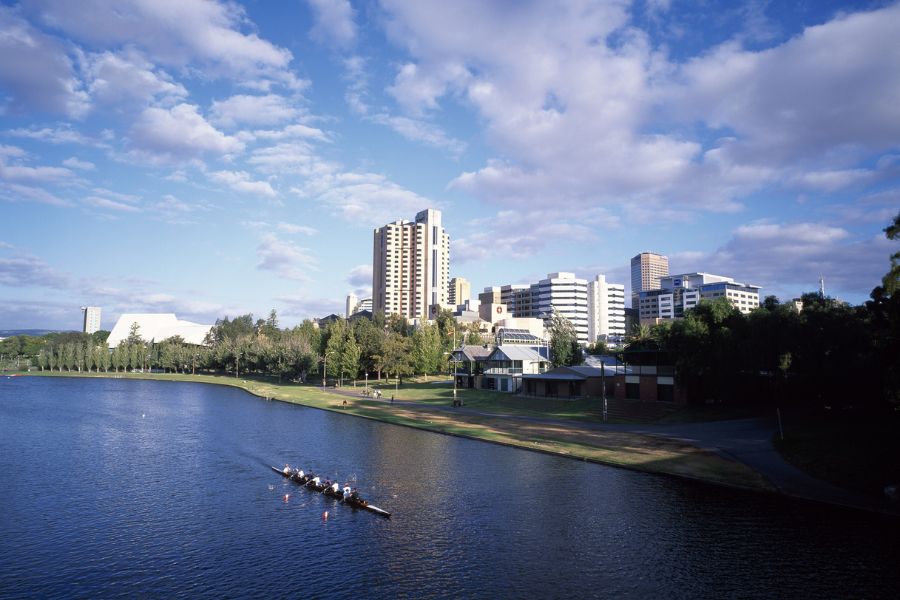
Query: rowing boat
pixel 307 482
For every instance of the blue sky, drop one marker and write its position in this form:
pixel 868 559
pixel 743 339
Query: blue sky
pixel 216 158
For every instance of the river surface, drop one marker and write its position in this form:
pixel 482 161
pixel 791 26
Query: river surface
pixel 122 488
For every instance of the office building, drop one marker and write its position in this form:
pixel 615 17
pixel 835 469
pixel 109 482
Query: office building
pixel 411 266
pixel 460 292
pixel 679 293
pixel 91 319
pixel 606 311
pixel 565 294
pixel 647 268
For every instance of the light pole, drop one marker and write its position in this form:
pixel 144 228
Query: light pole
pixel 367 383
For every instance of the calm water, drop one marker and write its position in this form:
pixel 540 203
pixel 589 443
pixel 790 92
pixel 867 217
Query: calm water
pixel 112 488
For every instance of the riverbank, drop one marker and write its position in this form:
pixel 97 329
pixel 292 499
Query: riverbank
pixel 565 437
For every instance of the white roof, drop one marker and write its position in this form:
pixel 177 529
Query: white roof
pixel 512 352
pixel 157 327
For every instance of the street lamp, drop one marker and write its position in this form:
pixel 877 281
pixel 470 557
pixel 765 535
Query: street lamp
pixel 367 383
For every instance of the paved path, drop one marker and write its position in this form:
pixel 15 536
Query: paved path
pixel 746 440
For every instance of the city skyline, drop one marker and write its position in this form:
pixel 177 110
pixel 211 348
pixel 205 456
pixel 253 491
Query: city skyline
pixel 235 158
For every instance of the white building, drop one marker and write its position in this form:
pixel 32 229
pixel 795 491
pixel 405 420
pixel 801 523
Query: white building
pixel 679 293
pixel 91 319
pixel 606 311
pixel 351 303
pixel 566 294
pixel 411 266
pixel 156 327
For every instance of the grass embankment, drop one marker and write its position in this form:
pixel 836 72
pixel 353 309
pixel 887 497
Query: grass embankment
pixel 571 438
pixel 859 453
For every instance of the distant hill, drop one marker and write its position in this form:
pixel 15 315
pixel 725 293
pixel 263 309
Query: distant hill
pixel 36 332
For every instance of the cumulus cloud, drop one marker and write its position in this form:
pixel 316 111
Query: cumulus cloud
pixel 36 71
pixel 421 131
pixel 285 259
pixel 179 133
pixel 252 110
pixel 366 198
pixel 514 234
pixel 240 181
pixel 75 163
pixel 203 33
pixel 127 77
pixel 787 259
pixel 29 271
pixel 333 23
pixel 580 106
pixel 60 134
pixel 360 275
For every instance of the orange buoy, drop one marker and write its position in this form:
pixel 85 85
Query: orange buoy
pixel 286 496
pixel 325 516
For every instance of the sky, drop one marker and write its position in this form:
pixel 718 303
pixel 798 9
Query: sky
pixel 215 158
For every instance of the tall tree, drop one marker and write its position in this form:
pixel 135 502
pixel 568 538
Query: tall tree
pixel 350 355
pixel 395 357
pixel 564 347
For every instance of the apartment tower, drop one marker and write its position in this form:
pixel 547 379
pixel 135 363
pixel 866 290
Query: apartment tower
pixel 91 318
pixel 411 266
pixel 647 268
pixel 606 310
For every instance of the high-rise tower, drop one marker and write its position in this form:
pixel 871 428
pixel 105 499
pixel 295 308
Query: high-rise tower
pixel 91 318
pixel 411 266
pixel 646 270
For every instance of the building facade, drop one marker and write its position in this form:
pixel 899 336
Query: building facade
pixel 565 294
pixel 460 291
pixel 91 319
pixel 679 293
pixel 606 311
pixel 647 268
pixel 411 266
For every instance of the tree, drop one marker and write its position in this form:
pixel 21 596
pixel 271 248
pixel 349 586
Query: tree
pixel 428 349
pixel 395 356
pixel 564 347
pixel 350 354
pixel 891 281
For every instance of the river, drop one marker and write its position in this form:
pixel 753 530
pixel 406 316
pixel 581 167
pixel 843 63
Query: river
pixel 124 488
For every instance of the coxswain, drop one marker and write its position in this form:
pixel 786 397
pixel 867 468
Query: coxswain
pixel 347 491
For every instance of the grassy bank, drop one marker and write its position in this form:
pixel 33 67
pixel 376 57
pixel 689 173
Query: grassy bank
pixel 571 439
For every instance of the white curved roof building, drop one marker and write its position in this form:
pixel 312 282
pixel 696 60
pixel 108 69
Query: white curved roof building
pixel 157 327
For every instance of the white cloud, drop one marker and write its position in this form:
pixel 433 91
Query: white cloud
pixel 296 229
pixel 365 198
pixel 61 134
pixel 125 77
pixel 421 131
pixel 360 275
pixel 15 192
pixel 786 259
pixel 24 174
pixel 333 23
pixel 29 271
pixel 240 181
pixel 253 110
pixel 75 163
pixel 36 71
pixel 179 133
pixel 284 258
pixel 204 33
pixel 581 107
pixel 515 234
pixel 113 205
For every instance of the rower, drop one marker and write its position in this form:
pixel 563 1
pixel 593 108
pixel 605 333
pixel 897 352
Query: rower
pixel 316 481
pixel 347 491
pixel 300 473
pixel 335 487
pixel 287 469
